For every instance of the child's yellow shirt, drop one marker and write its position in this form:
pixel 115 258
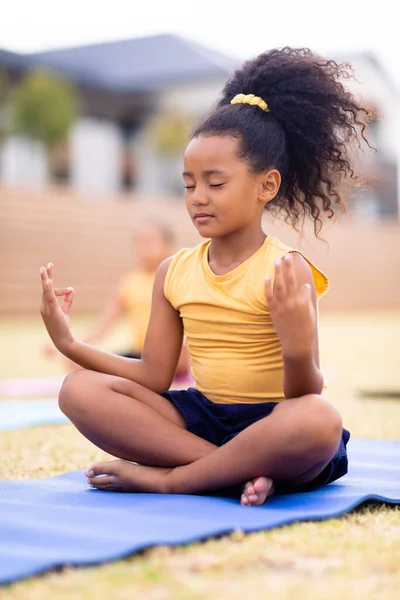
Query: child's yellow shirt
pixel 235 353
pixel 135 293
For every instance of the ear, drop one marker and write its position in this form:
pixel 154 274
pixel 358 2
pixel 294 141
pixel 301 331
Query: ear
pixel 269 185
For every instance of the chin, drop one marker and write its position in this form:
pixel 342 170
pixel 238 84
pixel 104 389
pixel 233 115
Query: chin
pixel 203 230
pixel 204 234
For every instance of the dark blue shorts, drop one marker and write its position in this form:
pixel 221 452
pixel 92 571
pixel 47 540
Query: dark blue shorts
pixel 219 423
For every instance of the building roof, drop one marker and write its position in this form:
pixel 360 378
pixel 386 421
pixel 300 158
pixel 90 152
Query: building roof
pixel 13 61
pixel 137 65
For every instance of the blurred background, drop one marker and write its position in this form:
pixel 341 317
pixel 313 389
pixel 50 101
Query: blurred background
pixel 95 108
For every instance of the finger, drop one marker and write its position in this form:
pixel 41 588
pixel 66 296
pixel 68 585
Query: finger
pixel 268 289
pixel 50 271
pixel 68 298
pixel 289 275
pixel 62 291
pixel 45 278
pixel 279 283
pixel 43 275
pixel 47 286
pixel 307 292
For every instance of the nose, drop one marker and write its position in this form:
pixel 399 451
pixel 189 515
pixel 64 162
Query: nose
pixel 199 197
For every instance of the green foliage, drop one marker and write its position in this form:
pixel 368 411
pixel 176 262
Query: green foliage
pixel 169 132
pixel 3 87
pixel 44 107
pixel 3 101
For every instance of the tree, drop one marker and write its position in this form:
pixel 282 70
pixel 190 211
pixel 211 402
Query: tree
pixel 169 132
pixel 3 101
pixel 44 107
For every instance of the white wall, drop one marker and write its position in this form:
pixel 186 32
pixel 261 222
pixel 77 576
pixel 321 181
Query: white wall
pixel 96 150
pixel 23 162
pixel 373 88
pixel 162 175
pixel 149 177
pixel 195 99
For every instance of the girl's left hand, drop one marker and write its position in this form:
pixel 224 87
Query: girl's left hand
pixel 55 317
pixel 292 310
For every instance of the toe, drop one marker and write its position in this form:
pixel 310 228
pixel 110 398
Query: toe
pixel 244 500
pixel 100 468
pixel 100 480
pixel 262 485
pixel 249 488
pixel 94 469
pixel 110 487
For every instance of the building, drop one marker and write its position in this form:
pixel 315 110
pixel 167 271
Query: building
pixel 380 169
pixel 134 91
pixel 122 86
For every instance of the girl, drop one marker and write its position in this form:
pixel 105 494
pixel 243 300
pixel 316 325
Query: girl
pixel 247 304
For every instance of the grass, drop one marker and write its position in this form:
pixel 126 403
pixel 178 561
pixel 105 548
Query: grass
pixel 356 555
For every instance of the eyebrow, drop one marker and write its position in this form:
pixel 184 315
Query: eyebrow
pixel 208 173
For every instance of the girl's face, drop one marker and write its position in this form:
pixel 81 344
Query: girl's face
pixel 222 195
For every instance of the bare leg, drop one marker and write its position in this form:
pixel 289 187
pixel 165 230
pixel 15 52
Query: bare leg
pixel 129 421
pixel 294 443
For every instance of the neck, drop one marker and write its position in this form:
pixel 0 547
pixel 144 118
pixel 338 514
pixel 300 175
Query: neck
pixel 237 247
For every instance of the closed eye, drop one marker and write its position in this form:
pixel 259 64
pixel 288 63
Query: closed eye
pixel 212 185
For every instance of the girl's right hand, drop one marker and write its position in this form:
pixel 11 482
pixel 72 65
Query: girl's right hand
pixel 56 317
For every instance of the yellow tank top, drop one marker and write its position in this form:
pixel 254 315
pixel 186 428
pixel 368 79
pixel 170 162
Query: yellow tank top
pixel 235 353
pixel 135 292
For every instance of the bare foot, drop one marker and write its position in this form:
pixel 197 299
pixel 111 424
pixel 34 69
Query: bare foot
pixel 257 491
pixel 124 476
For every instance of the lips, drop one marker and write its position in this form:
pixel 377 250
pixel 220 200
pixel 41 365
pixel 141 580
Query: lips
pixel 202 216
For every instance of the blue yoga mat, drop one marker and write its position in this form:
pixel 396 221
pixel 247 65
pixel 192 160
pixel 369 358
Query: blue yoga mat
pixel 18 414
pixel 61 521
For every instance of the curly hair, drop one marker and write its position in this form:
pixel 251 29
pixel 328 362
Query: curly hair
pixel 307 134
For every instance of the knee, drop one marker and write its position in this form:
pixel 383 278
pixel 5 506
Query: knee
pixel 74 391
pixel 325 423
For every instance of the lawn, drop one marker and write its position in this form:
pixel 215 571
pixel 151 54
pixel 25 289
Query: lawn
pixel 357 555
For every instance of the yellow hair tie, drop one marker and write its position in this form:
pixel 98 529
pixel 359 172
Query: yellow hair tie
pixel 250 99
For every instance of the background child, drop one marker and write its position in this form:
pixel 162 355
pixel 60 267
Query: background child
pixel 151 245
pixel 247 303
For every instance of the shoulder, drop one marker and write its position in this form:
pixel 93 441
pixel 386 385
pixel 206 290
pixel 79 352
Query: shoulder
pixel 302 267
pixel 181 265
pixel 306 270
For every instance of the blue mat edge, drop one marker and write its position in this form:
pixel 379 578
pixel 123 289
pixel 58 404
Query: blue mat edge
pixel 223 532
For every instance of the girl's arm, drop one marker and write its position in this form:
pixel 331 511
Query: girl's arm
pixel 293 307
pixel 156 368
pixel 105 322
